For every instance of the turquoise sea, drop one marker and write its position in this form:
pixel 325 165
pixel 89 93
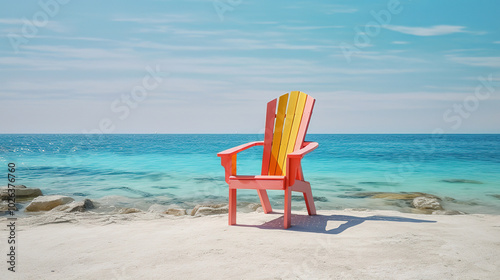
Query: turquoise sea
pixel 141 170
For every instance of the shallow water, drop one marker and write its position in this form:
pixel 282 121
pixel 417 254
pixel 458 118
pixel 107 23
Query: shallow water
pixel 184 170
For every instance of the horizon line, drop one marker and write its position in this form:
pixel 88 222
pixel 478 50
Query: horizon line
pixel 195 133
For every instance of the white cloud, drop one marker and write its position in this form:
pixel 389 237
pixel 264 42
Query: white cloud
pixel 70 38
pixel 488 61
pixel 11 21
pixel 179 31
pixel 38 88
pixel 423 96
pixel 14 27
pixel 230 45
pixel 157 19
pixel 50 25
pixel 342 11
pixel 339 9
pixel 387 57
pixel 328 9
pixel 9 30
pixel 266 22
pixel 309 27
pixel 400 42
pixel 451 88
pixel 57 27
pixel 494 77
pixel 76 52
pixel 496 42
pixel 473 50
pixel 426 31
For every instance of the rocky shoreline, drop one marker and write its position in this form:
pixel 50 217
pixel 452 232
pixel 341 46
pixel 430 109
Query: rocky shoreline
pixel 31 201
pixel 416 202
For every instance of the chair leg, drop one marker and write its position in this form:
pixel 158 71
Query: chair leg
pixel 232 207
pixel 287 221
pixel 308 197
pixel 264 201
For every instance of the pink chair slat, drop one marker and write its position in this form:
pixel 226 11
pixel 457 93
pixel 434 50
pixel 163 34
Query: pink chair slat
pixel 268 135
pixel 304 124
pixel 266 155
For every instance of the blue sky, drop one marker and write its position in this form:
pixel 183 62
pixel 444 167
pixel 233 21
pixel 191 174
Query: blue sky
pixel 210 66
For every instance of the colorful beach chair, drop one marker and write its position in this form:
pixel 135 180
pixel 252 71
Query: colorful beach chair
pixel 284 147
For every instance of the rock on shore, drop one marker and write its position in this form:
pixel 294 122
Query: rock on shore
pixel 46 203
pixel 209 209
pixel 21 192
pixel 80 206
pixel 127 210
pixel 4 206
pixel 422 202
pixel 175 212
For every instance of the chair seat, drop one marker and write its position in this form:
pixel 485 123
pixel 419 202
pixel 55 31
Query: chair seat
pixel 259 182
pixel 257 177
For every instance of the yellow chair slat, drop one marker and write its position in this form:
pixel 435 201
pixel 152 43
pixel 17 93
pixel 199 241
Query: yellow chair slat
pixel 299 110
pixel 290 114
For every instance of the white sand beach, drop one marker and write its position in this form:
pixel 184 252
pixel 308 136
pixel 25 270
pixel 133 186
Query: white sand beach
pixel 346 244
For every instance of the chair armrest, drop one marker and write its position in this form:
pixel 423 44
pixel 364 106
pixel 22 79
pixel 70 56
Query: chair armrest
pixel 237 149
pixel 228 157
pixel 293 161
pixel 307 148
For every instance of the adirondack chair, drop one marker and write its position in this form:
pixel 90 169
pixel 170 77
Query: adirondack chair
pixel 284 147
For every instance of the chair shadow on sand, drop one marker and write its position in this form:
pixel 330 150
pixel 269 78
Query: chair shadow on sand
pixel 319 223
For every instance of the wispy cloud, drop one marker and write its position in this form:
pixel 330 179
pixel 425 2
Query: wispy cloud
pixel 384 56
pixel 427 31
pixel 75 52
pixel 229 45
pixel 328 9
pixel 15 25
pixel 11 21
pixel 491 61
pixel 73 38
pixel 178 31
pixel 309 27
pixel 157 19
pixel 57 27
pixel 89 56
pixel 404 96
pixel 244 44
pixel 339 9
pixel 63 89
pixel 266 22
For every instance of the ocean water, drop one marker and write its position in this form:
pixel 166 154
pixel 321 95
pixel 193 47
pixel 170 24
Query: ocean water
pixel 183 170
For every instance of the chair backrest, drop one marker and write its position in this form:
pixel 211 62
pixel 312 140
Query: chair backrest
pixel 286 129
